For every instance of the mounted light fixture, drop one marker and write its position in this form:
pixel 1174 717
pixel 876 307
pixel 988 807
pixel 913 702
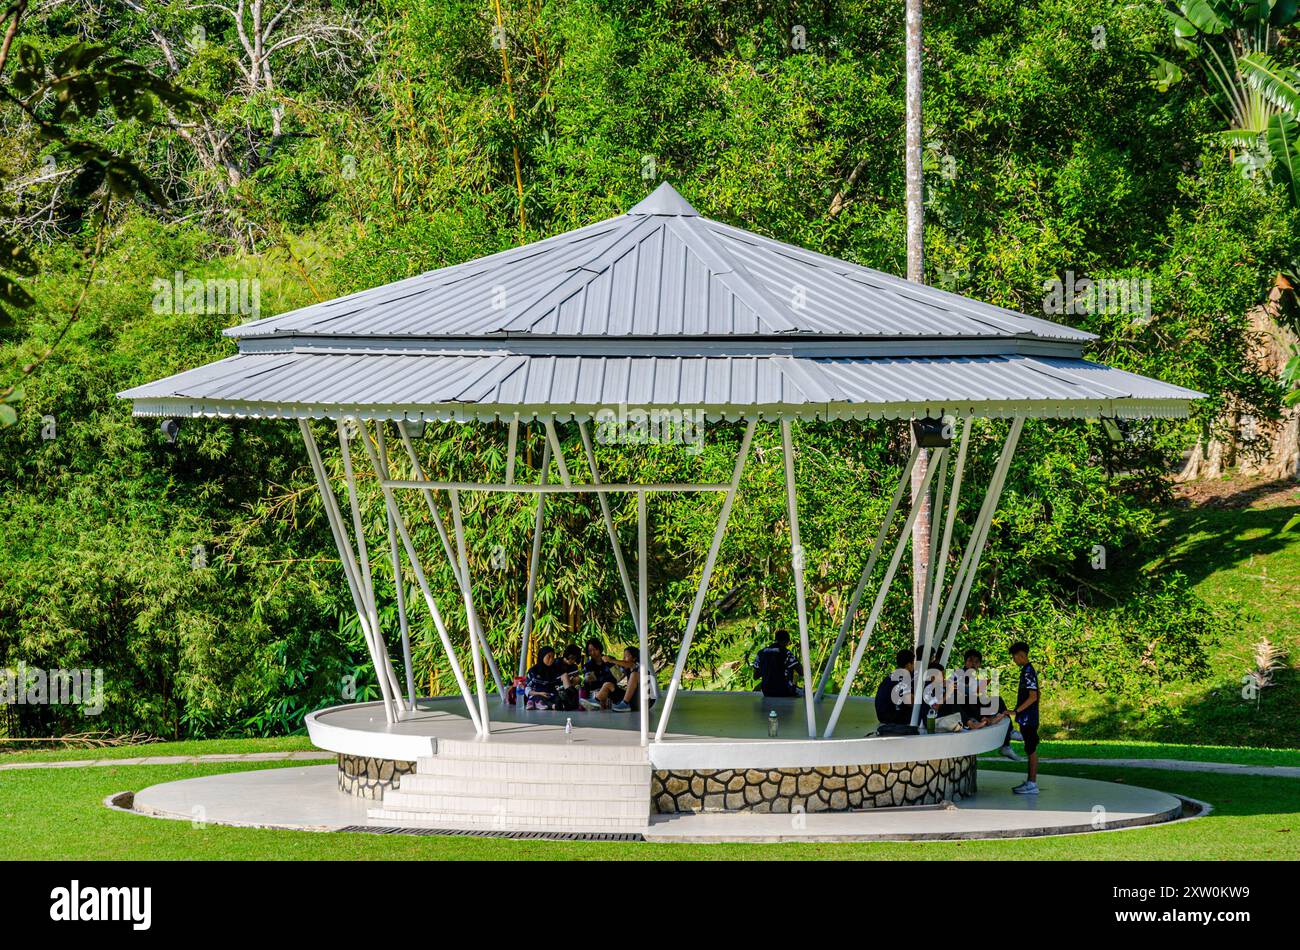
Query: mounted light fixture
pixel 932 433
pixel 170 428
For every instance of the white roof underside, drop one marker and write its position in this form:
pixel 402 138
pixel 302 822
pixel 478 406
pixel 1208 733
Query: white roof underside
pixel 657 308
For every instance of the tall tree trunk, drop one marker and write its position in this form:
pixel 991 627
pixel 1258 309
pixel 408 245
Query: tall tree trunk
pixel 1268 449
pixel 916 272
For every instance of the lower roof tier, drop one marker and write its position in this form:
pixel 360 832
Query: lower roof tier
pixel 309 383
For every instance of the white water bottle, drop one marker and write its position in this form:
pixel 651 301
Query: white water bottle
pixel 568 729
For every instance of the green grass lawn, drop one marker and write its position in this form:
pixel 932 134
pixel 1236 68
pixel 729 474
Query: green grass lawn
pixel 186 747
pixel 1241 560
pixel 48 814
pixel 1120 749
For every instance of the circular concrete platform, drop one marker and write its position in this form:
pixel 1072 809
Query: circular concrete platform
pixel 308 799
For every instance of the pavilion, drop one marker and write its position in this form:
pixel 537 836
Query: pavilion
pixel 665 311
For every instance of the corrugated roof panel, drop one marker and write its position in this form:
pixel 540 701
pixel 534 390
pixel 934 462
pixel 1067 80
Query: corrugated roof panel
pixel 663 275
pixel 417 380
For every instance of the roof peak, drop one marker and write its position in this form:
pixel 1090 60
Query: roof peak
pixel 664 200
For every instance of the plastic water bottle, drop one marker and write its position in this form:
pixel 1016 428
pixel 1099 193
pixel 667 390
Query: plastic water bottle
pixel 568 729
pixel 772 725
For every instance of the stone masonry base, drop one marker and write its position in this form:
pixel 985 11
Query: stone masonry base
pixel 828 788
pixel 367 777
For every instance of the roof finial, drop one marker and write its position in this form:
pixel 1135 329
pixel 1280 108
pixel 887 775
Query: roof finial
pixel 664 200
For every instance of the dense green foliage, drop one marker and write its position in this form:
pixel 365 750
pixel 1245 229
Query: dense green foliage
pixel 1048 153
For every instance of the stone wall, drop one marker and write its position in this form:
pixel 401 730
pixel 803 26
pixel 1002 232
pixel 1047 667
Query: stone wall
pixel 828 788
pixel 368 777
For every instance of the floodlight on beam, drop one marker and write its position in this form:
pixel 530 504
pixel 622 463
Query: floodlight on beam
pixel 932 433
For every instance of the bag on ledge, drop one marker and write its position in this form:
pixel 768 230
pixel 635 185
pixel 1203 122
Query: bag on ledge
pixel 895 729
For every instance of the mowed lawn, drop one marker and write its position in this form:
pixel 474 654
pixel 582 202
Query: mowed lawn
pixel 58 814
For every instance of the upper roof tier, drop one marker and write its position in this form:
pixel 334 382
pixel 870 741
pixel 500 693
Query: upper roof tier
pixel 661 272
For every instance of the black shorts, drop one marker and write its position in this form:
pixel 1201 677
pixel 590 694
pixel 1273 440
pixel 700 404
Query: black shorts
pixel 1029 731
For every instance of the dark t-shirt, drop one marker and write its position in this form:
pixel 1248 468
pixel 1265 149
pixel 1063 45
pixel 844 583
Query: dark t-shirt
pixel 598 672
pixel 888 708
pixel 775 667
pixel 543 678
pixel 1028 682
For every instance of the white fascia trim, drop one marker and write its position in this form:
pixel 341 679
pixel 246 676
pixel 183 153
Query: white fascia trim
pixel 180 407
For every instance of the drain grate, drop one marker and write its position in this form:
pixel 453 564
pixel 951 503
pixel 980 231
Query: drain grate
pixel 491 833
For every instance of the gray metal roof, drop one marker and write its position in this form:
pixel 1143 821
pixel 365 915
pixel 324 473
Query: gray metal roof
pixel 461 386
pixel 656 308
pixel 659 271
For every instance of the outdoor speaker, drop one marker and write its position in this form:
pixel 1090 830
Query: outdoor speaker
pixel 932 433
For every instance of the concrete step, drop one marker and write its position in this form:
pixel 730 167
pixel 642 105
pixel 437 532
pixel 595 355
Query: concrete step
pixel 558 751
pixel 534 770
pixel 578 809
pixel 448 785
pixel 550 786
pixel 385 818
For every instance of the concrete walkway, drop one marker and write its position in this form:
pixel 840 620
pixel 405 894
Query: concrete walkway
pixel 305 755
pixel 1177 765
pixel 307 798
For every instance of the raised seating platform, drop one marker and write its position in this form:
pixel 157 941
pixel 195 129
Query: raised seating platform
pixel 431 770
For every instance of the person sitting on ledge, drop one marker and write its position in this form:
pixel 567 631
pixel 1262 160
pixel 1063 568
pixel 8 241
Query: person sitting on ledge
pixel 894 695
pixel 626 698
pixel 775 665
pixel 543 680
pixel 974 703
pixel 631 701
pixel 598 677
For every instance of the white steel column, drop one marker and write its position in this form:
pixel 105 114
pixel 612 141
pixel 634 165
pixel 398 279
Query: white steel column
pixel 534 562
pixel 471 616
pixel 694 619
pixel 363 570
pixel 797 563
pixel 403 621
pixel 413 559
pixel 965 578
pixel 623 573
pixel 643 615
pixel 334 517
pixel 858 591
pixel 559 452
pixel 418 471
pixel 512 448
pixel 880 600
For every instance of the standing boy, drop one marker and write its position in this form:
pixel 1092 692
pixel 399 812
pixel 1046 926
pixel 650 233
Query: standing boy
pixel 1026 714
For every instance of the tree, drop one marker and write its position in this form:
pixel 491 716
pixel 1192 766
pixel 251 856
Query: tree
pixel 57 98
pixel 916 272
pixel 1232 44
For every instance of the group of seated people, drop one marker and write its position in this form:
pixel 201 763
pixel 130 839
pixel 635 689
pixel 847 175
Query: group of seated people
pixel 569 681
pixel 961 698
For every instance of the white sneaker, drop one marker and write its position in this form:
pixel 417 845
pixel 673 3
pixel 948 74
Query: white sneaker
pixel 1009 753
pixel 1026 788
pixel 1015 734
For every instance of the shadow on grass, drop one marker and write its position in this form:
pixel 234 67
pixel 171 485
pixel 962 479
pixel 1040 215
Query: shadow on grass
pixel 1205 541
